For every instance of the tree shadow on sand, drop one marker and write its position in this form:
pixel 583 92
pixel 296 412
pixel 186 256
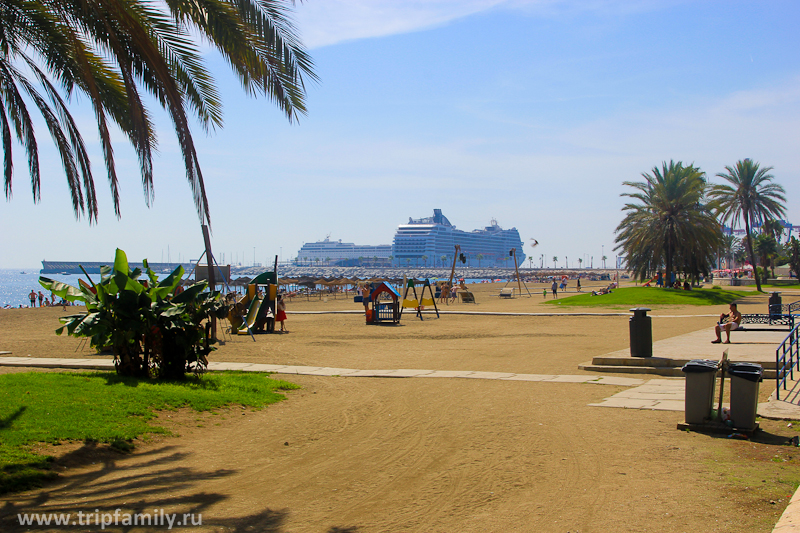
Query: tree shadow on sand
pixel 142 483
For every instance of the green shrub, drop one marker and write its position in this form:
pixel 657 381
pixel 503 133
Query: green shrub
pixel 152 327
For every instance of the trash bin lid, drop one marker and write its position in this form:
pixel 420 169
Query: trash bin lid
pixel 748 371
pixel 696 366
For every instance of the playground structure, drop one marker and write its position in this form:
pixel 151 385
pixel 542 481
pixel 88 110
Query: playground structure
pixel 466 296
pixel 520 283
pixel 419 302
pixel 385 304
pixel 255 311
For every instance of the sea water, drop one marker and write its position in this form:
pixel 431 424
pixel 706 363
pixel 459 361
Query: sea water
pixel 16 285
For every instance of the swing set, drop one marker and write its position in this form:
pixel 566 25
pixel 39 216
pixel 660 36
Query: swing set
pixel 419 302
pixel 520 283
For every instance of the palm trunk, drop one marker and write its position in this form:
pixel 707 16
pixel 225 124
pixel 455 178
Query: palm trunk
pixel 750 251
pixel 668 261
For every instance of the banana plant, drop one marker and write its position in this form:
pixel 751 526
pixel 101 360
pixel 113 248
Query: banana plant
pixel 152 328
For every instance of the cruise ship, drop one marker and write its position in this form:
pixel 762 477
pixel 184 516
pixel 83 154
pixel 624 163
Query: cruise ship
pixel 338 252
pixel 424 241
pixel 93 267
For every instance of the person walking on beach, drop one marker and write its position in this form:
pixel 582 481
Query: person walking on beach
pixel 280 316
pixel 579 284
pixel 32 297
pixel 41 298
pixel 554 288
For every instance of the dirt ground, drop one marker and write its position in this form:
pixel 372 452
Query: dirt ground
pixel 426 454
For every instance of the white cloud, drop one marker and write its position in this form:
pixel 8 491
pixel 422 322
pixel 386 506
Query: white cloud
pixel 327 22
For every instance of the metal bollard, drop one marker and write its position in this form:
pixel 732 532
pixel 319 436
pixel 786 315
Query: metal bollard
pixel 641 328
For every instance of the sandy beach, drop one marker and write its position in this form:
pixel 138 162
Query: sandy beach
pixel 378 454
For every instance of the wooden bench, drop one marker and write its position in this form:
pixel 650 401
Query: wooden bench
pixel 507 293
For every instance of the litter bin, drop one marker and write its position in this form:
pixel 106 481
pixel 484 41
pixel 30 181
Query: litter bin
pixel 745 378
pixel 775 305
pixel 701 377
pixel 641 330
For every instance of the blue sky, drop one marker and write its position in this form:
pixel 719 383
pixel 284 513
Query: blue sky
pixel 532 113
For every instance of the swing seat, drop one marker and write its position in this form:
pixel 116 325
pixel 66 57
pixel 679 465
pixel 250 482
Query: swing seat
pixel 507 293
pixel 410 304
pixel 427 301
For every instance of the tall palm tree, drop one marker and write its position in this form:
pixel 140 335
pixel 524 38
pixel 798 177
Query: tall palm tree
pixel 750 197
pixel 555 262
pixel 670 225
pixel 115 50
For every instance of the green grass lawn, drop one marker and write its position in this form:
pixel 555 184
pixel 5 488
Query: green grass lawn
pixel 104 407
pixel 651 297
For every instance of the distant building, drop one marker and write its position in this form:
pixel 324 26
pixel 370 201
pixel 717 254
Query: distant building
pixel 424 241
pixel 338 252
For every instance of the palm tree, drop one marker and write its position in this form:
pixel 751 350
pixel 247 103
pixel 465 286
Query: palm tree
pixel 773 228
pixel 728 244
pixel 670 225
pixel 425 260
pixel 751 197
pixel 604 261
pixel 580 262
pixel 794 256
pixel 765 248
pixel 555 262
pixel 115 50
pixel 479 257
pixel 444 257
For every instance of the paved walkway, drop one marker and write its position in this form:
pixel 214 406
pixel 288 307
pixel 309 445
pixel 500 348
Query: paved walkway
pixel 107 364
pixel 753 346
pixel 667 394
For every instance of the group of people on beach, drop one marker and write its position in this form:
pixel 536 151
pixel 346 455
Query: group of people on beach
pixel 33 296
pixel 447 293
pixel 556 286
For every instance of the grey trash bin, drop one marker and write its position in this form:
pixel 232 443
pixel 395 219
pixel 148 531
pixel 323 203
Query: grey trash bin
pixel 701 377
pixel 745 378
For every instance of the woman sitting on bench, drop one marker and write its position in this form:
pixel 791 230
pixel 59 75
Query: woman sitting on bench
pixel 728 322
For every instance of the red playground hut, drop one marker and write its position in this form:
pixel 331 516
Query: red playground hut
pixel 385 305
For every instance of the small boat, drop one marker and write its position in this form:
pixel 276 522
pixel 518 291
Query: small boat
pixel 23 272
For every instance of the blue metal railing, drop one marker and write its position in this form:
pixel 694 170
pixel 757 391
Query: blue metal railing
pixel 787 356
